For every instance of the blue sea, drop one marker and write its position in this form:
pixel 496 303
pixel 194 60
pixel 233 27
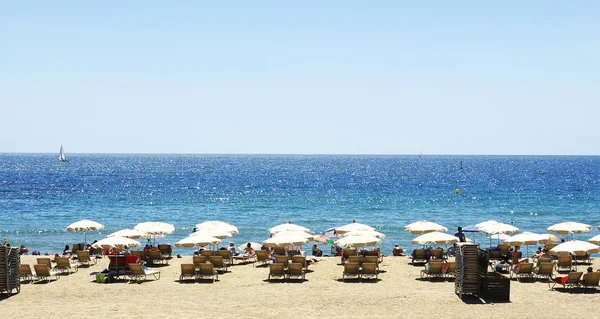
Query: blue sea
pixel 40 197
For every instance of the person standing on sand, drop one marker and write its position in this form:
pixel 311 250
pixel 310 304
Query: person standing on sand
pixel 460 235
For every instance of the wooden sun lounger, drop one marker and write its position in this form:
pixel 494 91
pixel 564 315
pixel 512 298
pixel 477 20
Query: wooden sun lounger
pixel 139 274
pixel 450 269
pixel 544 269
pixel 436 269
pixel 569 282
pixel 63 264
pixel 207 271
pixel 525 270
pixel 187 270
pixel 26 273
pixel 84 257
pixel 218 263
pixel 296 270
pixel 262 256
pixel 43 272
pixel 276 270
pixel 591 280
pixel 370 270
pixel 351 270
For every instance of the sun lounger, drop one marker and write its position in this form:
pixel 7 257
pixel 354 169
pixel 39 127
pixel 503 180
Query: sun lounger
pixel 372 260
pixel 207 271
pixel 544 269
pixel 495 255
pixel 139 274
pixel 435 268
pixel 591 280
pixel 369 270
pixel 276 270
pixel 154 256
pixel 279 251
pixel 355 259
pixel 197 260
pixel 262 256
pixel 583 258
pixel 165 250
pixel 43 272
pixel 207 253
pixel 300 260
pixel 570 281
pixel 26 273
pixel 45 261
pixel 218 263
pixel 64 264
pixel 282 260
pixel 450 269
pixel 296 270
pixel 525 270
pixel 419 256
pixel 346 253
pixel 351 270
pixel 187 270
pixel 138 253
pixel 83 257
pixel 438 253
pixel 564 263
pixel 226 256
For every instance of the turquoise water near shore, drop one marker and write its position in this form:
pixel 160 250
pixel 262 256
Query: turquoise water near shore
pixel 40 197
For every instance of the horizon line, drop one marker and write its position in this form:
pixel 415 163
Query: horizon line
pixel 294 154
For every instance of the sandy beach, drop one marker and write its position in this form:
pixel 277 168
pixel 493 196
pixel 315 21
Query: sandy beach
pixel 243 292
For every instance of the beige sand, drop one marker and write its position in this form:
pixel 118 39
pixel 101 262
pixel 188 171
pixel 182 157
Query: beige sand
pixel 244 293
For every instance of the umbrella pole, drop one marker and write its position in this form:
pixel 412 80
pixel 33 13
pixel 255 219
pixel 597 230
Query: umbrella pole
pixel 84 238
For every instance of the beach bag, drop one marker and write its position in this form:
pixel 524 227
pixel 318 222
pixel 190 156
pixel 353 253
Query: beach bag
pixel 100 278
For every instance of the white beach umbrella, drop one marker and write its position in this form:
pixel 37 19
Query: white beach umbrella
pixel 365 232
pixel 288 227
pixel 286 240
pixel 358 241
pixel 110 242
pixel 576 247
pixel 526 239
pixel 295 233
pixel 221 234
pixel 423 226
pixel 129 233
pixel 83 226
pixel 354 226
pixel 595 240
pixel 218 226
pixel 435 238
pixel 567 228
pixel 494 227
pixel 201 241
pixel 155 228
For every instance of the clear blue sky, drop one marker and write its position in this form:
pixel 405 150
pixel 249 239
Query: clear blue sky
pixel 339 77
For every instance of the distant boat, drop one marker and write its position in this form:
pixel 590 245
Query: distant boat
pixel 62 157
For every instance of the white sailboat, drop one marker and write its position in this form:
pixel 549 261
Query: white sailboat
pixel 62 157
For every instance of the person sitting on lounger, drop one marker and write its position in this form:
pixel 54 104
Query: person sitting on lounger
pixel 249 250
pixel 66 252
pixel 232 251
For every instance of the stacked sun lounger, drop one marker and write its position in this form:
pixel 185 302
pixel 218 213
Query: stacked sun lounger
pixel 10 269
pixel 467 269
